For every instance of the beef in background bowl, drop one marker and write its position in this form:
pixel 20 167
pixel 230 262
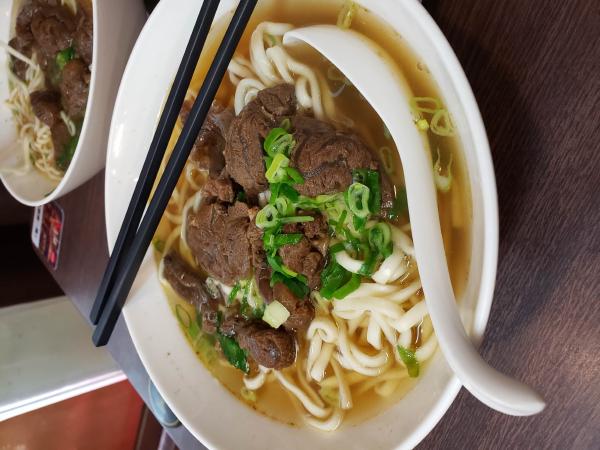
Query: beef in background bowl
pixel 81 49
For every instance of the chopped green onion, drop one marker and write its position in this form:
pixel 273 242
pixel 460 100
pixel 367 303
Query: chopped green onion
pixel 348 288
pixel 183 316
pixel 233 294
pixel 240 197
pixel 275 314
pixel 233 353
pixel 400 204
pixel 371 259
pixel 357 199
pixel 425 104
pixel 274 188
pixel 267 217
pixel 422 124
pixel 248 394
pixel 298 288
pixel 287 239
pixel 284 206
pixel 441 123
pixel 331 395
pixel 296 219
pixel 409 358
pixel 333 277
pixel 337 248
pixel 286 124
pixel 380 238
pixel 63 57
pixel 443 183
pixel 340 222
pixel 295 175
pixel 278 141
pixel 370 178
pixel 344 20
pixel 64 159
pixel 159 245
pixel 359 223
pixel 289 192
pixel 278 266
pixel 276 171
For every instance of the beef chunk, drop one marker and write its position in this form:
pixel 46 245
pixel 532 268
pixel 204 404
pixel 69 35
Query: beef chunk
pixel 24 18
pixel 301 311
pixel 210 143
pixel 307 256
pixel 83 39
pixel 301 258
pixel 216 234
pixel 23 46
pixel 74 87
pixel 188 284
pixel 60 138
pixel 52 28
pixel 269 347
pixel 317 229
pixel 326 158
pixel 46 106
pixel 220 188
pixel 244 151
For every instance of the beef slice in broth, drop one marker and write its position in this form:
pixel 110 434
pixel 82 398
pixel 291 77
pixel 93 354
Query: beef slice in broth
pixel 326 158
pixel 244 149
pixel 269 347
pixel 216 234
pixel 189 285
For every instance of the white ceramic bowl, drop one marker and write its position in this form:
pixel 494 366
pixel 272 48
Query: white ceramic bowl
pixel 116 26
pixel 211 413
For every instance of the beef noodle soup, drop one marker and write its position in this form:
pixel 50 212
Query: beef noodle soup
pixel 286 249
pixel 49 78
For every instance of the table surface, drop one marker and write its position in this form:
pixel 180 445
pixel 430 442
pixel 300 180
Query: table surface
pixel 536 75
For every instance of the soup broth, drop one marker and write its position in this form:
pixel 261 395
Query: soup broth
pixel 272 399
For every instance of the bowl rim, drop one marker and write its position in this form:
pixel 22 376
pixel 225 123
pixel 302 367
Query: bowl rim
pixel 60 187
pixel 489 209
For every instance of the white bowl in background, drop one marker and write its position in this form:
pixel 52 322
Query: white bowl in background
pixel 116 26
pixel 205 407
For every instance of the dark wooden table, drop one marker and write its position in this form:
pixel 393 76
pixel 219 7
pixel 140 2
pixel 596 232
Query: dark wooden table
pixel 535 70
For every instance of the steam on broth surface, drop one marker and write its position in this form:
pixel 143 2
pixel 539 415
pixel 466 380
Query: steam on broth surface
pixel 340 343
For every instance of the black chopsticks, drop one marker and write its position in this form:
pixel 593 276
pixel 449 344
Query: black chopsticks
pixel 156 152
pixel 132 241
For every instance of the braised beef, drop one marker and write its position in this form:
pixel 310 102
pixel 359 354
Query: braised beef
pixel 23 46
pixel 83 39
pixel 46 106
pixel 52 28
pixel 244 149
pixel 219 188
pixel 60 139
pixel 208 148
pixel 216 234
pixel 301 311
pixel 301 258
pixel 269 347
pixel 24 18
pixel 326 158
pixel 189 285
pixel 74 88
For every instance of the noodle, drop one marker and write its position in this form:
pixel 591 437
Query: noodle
pixel 34 136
